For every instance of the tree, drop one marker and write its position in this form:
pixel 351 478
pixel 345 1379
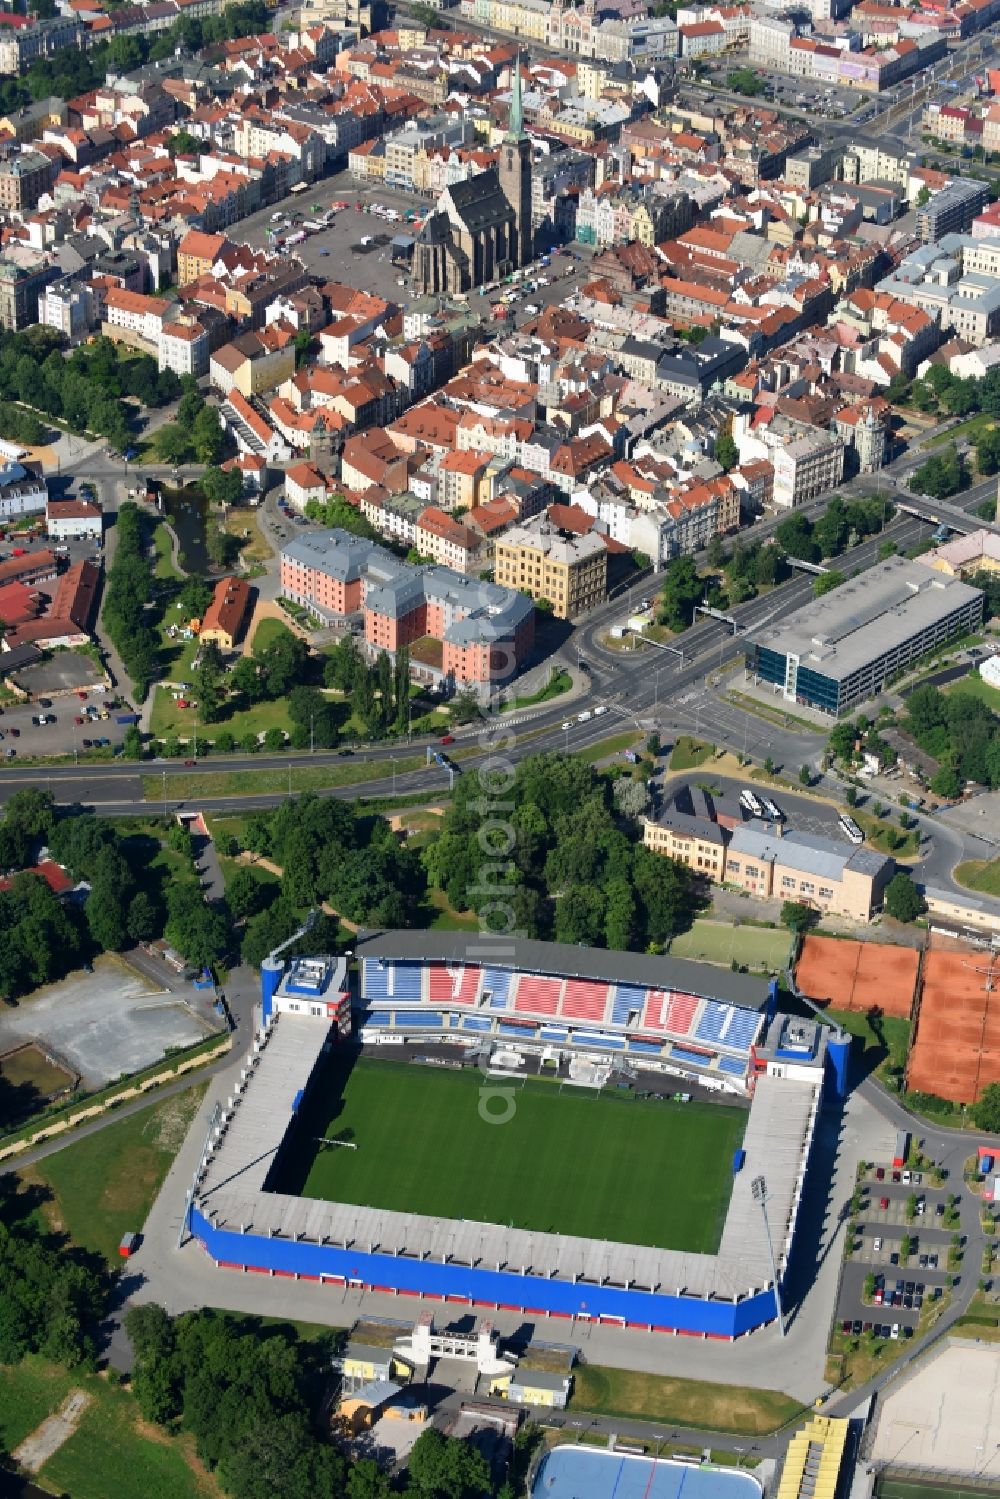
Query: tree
pixel 797 917
pixel 988 451
pixel 943 474
pixel 682 590
pixel 183 143
pixel 245 894
pixel 805 775
pixel 209 678
pixel 108 902
pixel 985 1111
pixel 173 444
pixel 902 899
pixel 827 582
pixel 794 536
pixel 207 436
pixel 946 782
pixel 222 486
pixel 727 454
pixel 745 81
pixel 443 1467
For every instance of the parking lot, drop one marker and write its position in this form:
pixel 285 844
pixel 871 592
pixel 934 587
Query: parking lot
pixel 904 1286
pixel 103 1024
pixel 337 252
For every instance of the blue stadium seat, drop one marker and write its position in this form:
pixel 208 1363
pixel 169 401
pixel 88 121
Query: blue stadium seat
pixel 378 1017
pixel 476 1023
pixel 693 1058
pixel 593 1038
pixel 404 980
pixel 376 979
pixel 426 1019
pixel 712 1025
pixel 742 1029
pixel 525 1033
pixel 497 981
pixel 650 1048
pixel 735 1065
pixel 627 997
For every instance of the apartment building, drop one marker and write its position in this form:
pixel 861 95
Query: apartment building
pixel 20 291
pixel 952 210
pixel 448 541
pixel 183 347
pixel 567 570
pixel 459 630
pixel 23 179
pixel 807 461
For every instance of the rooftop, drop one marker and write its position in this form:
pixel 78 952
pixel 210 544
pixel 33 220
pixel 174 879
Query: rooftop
pixel 866 617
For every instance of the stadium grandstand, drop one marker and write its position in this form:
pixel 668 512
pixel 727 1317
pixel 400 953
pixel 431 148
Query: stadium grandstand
pixel 663 1014
pixel 415 987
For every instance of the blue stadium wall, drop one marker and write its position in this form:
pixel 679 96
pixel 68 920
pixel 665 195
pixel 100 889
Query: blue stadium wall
pixel 495 1290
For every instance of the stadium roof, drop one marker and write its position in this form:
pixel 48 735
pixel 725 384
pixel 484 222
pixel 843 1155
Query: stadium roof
pixel 233 1194
pixel 566 961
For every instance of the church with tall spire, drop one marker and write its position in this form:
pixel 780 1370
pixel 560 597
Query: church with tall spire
pixel 480 229
pixel 515 169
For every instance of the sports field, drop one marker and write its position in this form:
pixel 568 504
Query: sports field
pixel 569 1162
pixel 722 942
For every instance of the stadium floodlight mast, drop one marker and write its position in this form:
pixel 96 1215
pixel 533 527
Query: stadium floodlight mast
pixel 758 1189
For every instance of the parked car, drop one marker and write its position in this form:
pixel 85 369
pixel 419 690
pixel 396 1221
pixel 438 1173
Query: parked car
pixel 190 763
pixel 447 739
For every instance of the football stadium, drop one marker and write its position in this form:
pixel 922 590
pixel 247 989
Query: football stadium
pixel 558 1131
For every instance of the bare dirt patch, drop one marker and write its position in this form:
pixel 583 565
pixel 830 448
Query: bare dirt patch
pixel 56 1429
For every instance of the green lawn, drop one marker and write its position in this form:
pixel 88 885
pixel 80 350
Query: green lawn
pixel 168 719
pixel 978 874
pixel 880 834
pixel 874 1049
pixel 566 1162
pixel 558 683
pixel 267 631
pixel 689 753
pixel 605 748
pixel 164 568
pixel 679 1402
pixel 104 1186
pixel 721 942
pixel 274 782
pixel 968 431
pixel 445 918
pixel 112 1452
pixel 974 686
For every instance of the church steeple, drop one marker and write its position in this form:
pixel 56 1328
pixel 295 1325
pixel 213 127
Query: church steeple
pixel 515 119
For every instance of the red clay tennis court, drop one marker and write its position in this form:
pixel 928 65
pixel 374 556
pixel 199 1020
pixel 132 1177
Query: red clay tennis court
pixel 957 1047
pixel 858 975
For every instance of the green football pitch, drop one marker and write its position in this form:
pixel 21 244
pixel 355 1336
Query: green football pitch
pixel 604 1167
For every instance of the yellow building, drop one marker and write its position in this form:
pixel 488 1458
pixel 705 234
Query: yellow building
pixel 692 840
pixel 533 1387
pixel 979 552
pixel 196 255
pixel 816 872
pixel 568 570
pixel 813 1461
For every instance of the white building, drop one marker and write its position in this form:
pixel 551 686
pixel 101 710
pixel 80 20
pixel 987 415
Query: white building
pixel 183 347
pixel 73 520
pixel 69 306
pixel 133 313
pixel 21 493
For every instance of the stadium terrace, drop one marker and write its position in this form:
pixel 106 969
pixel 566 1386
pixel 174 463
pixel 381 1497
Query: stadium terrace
pixel 592 1014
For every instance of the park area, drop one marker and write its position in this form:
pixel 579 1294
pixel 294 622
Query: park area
pixel 956 1051
pixel 726 943
pixel 859 976
pixel 568 1162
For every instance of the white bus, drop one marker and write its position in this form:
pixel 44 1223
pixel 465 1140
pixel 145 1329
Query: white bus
pixel 751 804
pixel 772 809
pixel 850 829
